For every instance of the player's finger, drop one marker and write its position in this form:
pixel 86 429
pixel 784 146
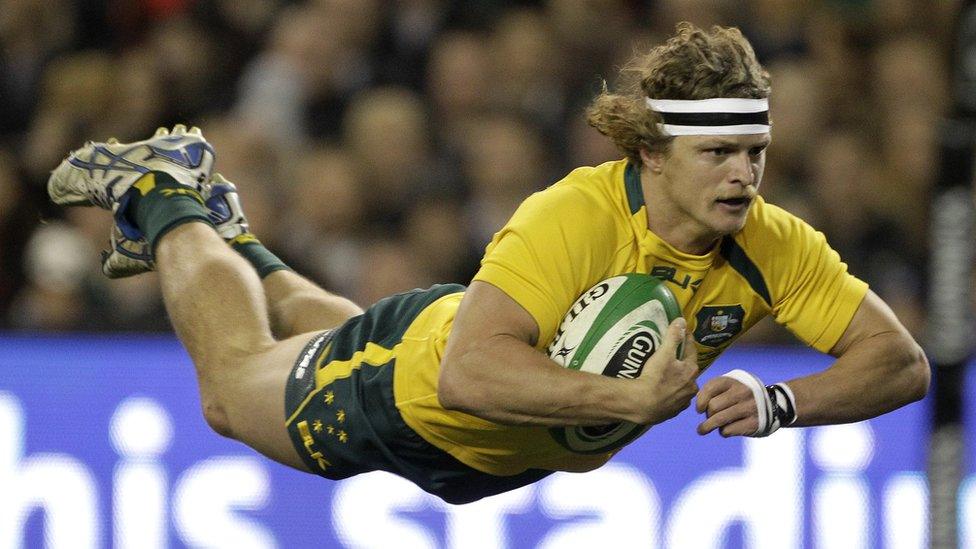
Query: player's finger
pixel 674 336
pixel 725 417
pixel 721 401
pixel 689 351
pixel 710 390
pixel 741 428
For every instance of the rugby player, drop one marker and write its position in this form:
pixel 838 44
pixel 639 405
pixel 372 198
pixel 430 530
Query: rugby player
pixel 449 387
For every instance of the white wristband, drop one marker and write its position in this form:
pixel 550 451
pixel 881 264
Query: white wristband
pixel 764 406
pixel 775 404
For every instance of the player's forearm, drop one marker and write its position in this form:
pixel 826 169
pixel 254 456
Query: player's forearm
pixel 297 306
pixel 506 381
pixel 875 376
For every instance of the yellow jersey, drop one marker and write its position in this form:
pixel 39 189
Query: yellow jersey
pixel 593 225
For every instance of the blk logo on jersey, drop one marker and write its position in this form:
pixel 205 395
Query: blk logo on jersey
pixel 670 274
pixel 717 325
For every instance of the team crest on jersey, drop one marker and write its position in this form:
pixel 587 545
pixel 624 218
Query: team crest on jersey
pixel 717 325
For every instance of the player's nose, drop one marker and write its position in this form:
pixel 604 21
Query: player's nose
pixel 741 169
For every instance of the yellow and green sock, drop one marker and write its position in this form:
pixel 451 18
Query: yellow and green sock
pixel 157 204
pixel 263 261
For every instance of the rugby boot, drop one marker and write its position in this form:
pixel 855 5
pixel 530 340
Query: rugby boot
pixel 99 174
pixel 131 256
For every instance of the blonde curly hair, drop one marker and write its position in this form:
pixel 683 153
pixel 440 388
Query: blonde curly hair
pixel 692 64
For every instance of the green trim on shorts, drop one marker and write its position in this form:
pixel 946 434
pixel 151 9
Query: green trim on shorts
pixel 386 321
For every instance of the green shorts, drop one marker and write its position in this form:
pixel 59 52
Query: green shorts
pixel 352 425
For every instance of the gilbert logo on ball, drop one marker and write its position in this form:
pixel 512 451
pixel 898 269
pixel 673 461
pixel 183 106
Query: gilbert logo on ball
pixel 612 329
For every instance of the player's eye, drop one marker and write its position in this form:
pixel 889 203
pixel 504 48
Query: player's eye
pixel 756 151
pixel 718 151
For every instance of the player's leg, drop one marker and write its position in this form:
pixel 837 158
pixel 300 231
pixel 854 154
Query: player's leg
pixel 296 305
pixel 214 298
pixel 217 306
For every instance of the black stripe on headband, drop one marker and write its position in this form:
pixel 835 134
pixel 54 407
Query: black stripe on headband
pixel 714 118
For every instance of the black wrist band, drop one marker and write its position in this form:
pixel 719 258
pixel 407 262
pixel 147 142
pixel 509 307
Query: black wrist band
pixel 784 409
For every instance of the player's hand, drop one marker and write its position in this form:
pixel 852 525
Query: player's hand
pixel 729 406
pixel 667 382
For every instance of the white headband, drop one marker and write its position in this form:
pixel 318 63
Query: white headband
pixel 717 116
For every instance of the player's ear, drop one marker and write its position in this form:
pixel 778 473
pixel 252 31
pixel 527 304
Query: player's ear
pixel 653 160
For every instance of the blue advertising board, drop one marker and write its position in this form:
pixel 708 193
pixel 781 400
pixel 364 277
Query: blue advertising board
pixel 102 444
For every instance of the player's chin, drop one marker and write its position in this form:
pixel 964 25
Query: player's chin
pixel 729 224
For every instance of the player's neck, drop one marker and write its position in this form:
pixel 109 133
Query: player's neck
pixel 671 223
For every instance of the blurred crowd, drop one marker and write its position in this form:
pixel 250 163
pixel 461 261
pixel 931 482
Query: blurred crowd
pixel 378 144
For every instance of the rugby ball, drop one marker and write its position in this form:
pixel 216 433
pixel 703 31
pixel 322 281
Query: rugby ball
pixel 612 329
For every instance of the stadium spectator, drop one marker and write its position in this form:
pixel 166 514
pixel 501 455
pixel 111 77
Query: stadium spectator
pixel 291 71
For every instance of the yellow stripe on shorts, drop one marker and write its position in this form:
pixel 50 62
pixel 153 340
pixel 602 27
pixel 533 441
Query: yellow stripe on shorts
pixel 325 374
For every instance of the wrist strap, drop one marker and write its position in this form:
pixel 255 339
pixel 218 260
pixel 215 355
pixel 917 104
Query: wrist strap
pixel 784 404
pixel 775 404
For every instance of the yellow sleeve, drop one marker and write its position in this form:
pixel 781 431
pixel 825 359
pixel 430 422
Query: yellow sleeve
pixel 557 245
pixel 817 298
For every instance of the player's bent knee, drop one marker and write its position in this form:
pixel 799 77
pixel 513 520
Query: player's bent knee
pixel 217 418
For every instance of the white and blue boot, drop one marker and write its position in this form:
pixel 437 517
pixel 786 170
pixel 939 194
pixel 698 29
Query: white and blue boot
pixel 129 256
